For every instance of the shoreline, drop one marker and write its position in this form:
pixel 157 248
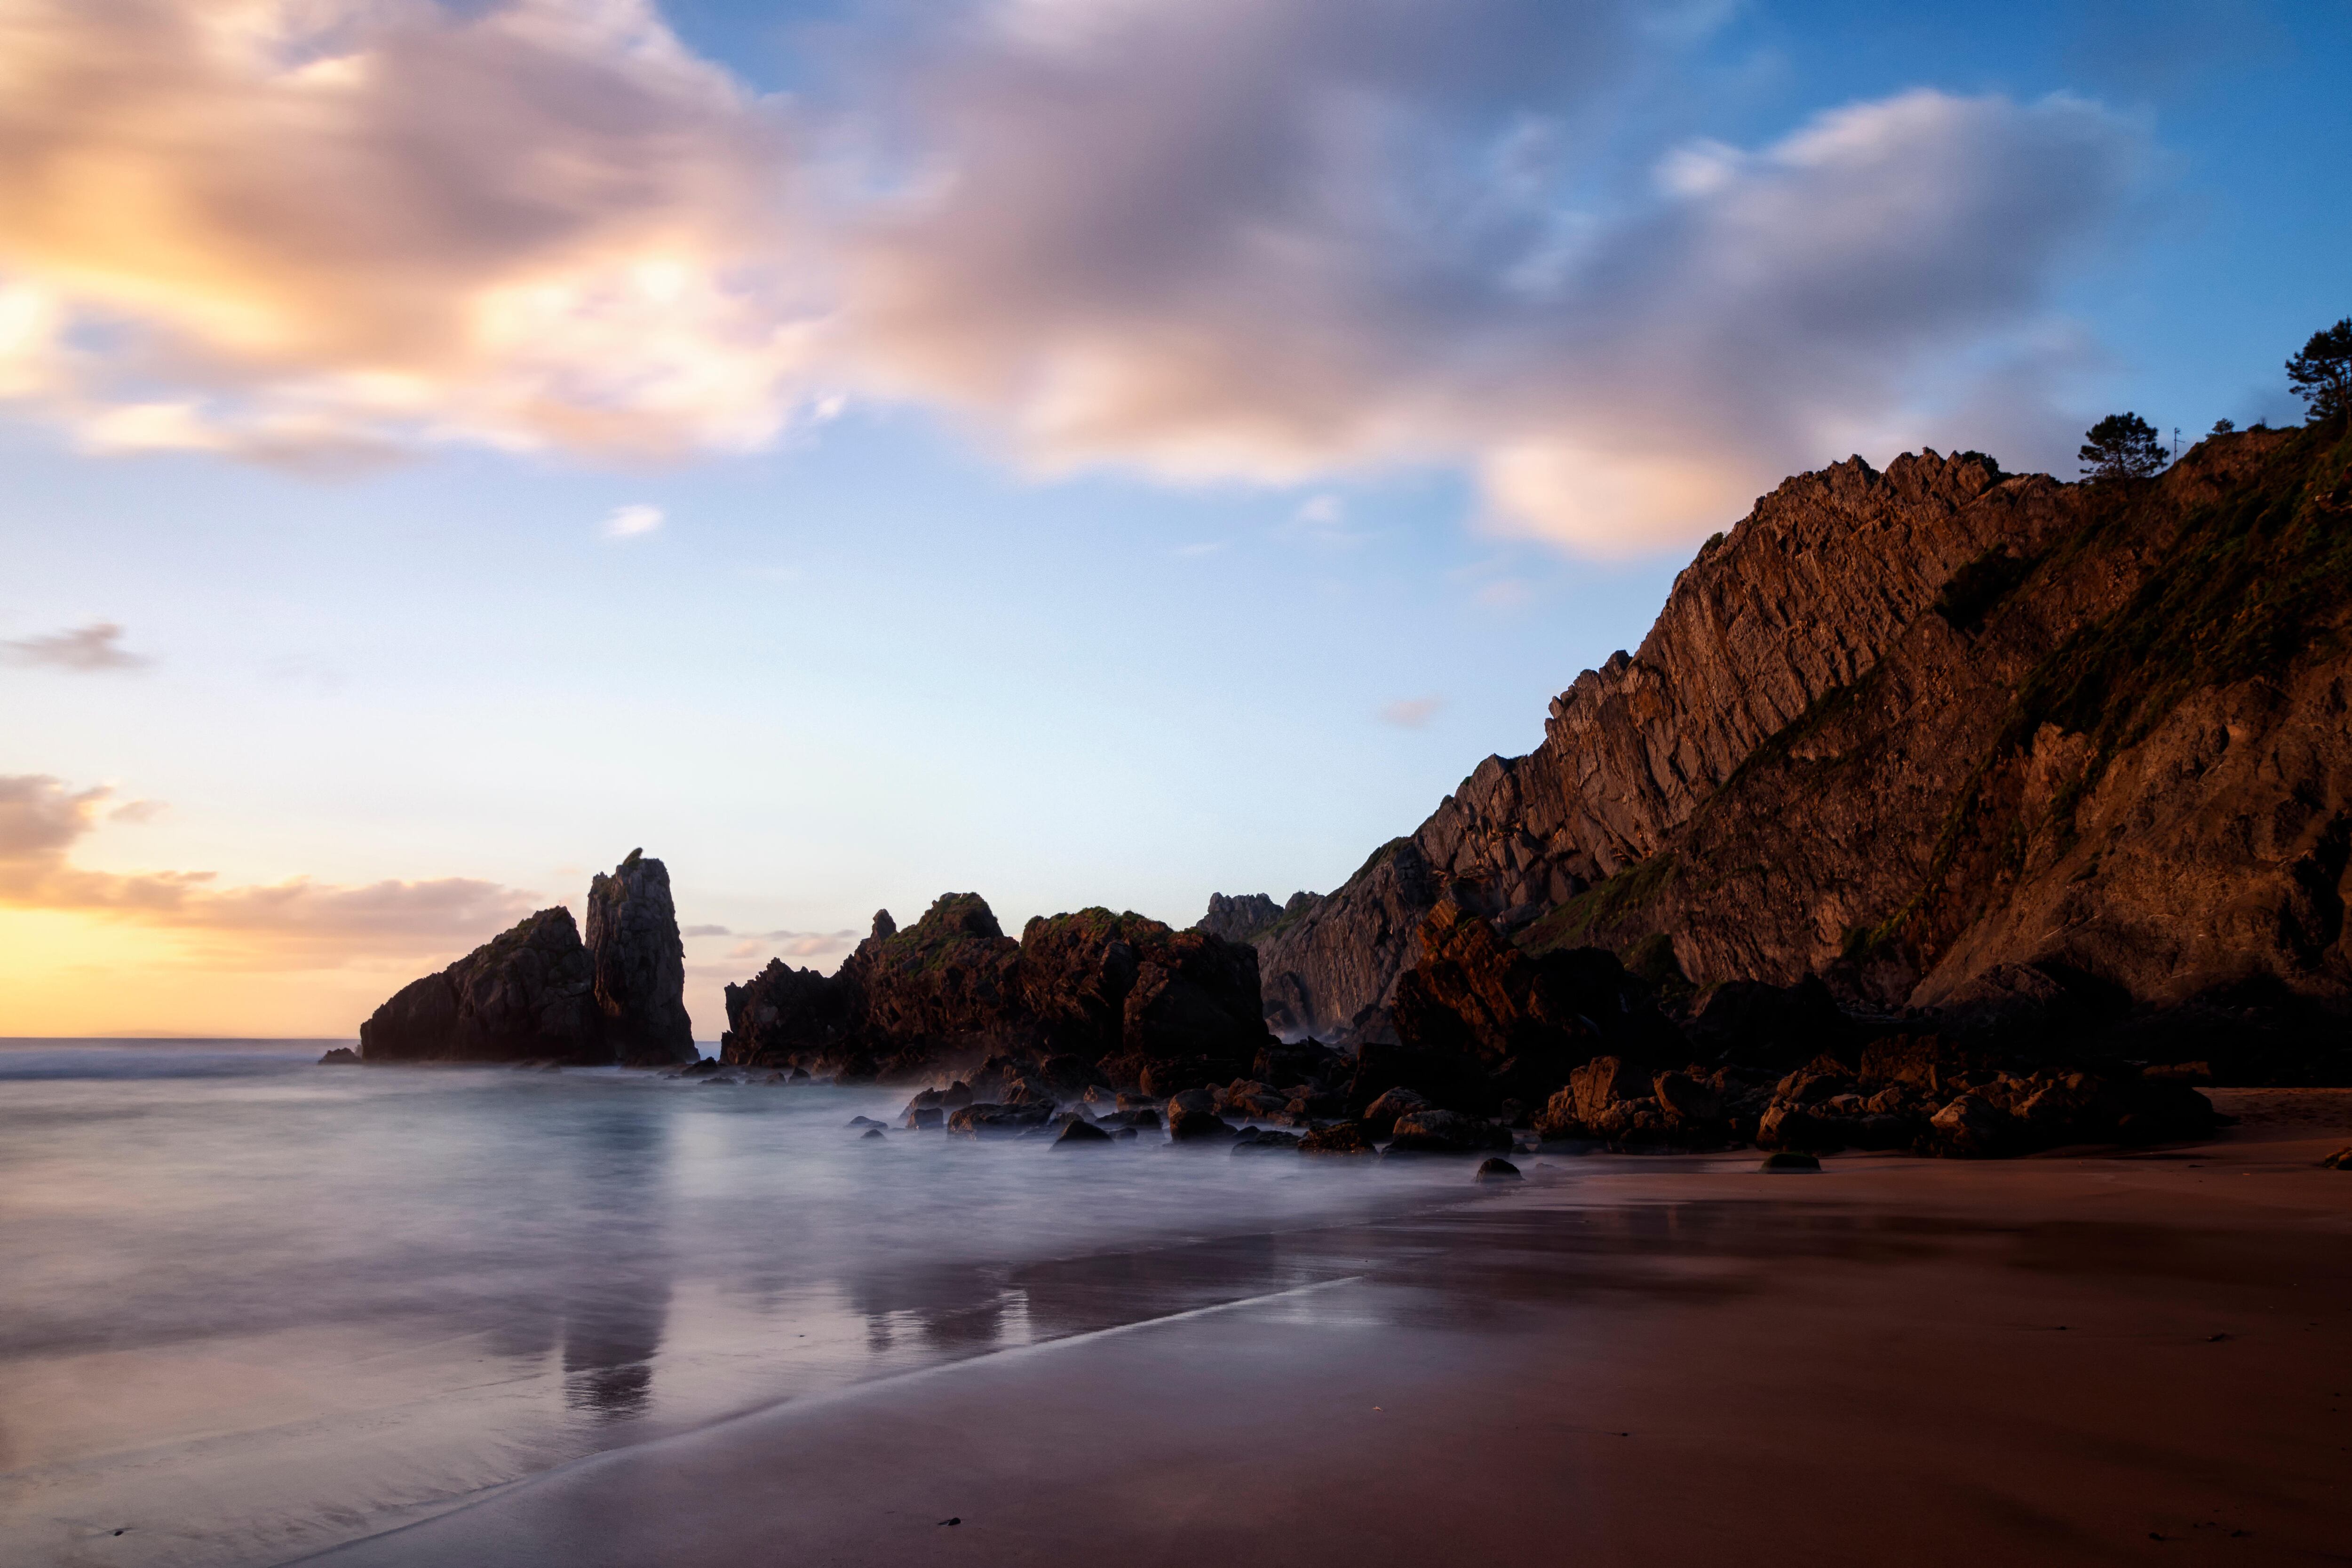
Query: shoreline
pixel 1627 1359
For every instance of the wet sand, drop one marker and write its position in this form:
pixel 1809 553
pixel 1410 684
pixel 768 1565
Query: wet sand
pixel 2078 1358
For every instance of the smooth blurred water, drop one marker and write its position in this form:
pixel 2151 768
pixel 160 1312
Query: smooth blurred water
pixel 252 1306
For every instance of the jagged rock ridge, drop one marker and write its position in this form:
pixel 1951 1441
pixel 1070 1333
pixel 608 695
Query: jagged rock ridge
pixel 1111 996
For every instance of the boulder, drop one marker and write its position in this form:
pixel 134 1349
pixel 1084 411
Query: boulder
pixel 870 1133
pixel 2341 1160
pixel 1446 1133
pixel 1787 1160
pixel 997 1121
pixel 1495 1171
pixel 1263 1140
pixel 1381 1116
pixel 1339 1138
pixel 1193 1100
pixel 339 1056
pixel 1971 1125
pixel 1079 1131
pixel 1196 1127
pixel 639 964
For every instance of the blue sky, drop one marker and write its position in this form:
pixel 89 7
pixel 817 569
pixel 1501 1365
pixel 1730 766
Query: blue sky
pixel 1078 562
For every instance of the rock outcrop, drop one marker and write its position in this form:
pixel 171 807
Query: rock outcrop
pixel 639 963
pixel 527 994
pixel 1091 997
pixel 2064 758
pixel 1250 917
pixel 1238 918
pixel 539 993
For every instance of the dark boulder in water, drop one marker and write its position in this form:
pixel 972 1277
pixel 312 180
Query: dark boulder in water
pixel 1340 1138
pixel 1494 1171
pixel 341 1056
pixel 1198 1126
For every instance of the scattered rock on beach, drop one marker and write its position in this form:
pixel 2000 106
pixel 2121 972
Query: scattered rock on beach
pixel 1381 1114
pixel 1339 1138
pixel 1446 1133
pixel 1497 1170
pixel 997 1121
pixel 1194 1126
pixel 1782 1161
pixel 2341 1160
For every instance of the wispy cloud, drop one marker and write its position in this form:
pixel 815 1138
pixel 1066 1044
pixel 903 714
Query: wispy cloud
pixel 295 923
pixel 632 522
pixel 94 649
pixel 338 228
pixel 1197 551
pixel 1410 712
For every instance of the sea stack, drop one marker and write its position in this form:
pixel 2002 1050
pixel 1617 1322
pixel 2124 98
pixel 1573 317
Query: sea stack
pixel 639 962
pixel 525 995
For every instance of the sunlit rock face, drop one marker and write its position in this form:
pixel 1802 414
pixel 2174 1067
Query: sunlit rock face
pixel 1114 994
pixel 2064 754
pixel 640 964
pixel 527 994
pixel 1798 598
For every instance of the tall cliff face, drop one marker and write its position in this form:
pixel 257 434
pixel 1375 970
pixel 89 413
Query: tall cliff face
pixel 640 961
pixel 2114 768
pixel 1943 738
pixel 1801 598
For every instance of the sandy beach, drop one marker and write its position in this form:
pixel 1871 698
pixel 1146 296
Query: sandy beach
pixel 2088 1356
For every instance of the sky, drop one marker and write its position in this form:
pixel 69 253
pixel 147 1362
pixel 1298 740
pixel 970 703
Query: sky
pixel 1078 451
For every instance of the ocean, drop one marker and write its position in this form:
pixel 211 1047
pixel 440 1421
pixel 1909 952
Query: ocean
pixel 251 1307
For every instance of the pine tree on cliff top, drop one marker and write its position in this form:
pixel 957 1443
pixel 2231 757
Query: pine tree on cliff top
pixel 2121 446
pixel 2322 374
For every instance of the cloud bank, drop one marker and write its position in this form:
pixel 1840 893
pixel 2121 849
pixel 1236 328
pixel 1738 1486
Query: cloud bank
pixel 88 649
pixel 1265 239
pixel 296 924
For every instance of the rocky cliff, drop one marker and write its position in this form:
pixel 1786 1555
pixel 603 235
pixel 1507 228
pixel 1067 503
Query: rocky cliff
pixel 640 964
pixel 1942 737
pixel 1114 997
pixel 539 993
